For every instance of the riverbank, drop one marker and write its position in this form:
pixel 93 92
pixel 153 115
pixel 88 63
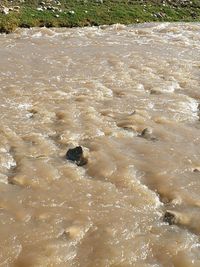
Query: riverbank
pixel 73 13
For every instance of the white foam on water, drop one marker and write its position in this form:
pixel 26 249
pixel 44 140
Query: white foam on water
pixel 24 106
pixel 187 110
pixel 174 85
pixel 7 161
pixel 37 35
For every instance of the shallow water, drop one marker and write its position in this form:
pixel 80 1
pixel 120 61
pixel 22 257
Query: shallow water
pixel 100 88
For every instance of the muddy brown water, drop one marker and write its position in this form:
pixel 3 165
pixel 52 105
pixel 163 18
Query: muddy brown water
pixel 130 97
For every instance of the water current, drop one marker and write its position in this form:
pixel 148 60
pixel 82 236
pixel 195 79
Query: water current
pixel 130 97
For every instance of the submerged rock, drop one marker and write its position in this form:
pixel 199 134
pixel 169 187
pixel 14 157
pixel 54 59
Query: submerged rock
pixel 76 155
pixel 170 218
pixel 147 134
pixel 188 218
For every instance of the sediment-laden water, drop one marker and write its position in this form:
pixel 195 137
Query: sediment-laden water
pixel 130 97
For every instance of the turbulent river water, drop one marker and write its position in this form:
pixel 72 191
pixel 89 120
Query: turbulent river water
pixel 129 95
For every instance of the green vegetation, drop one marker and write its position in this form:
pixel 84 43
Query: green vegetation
pixel 71 13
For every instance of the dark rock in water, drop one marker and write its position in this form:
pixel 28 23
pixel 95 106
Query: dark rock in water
pixel 169 218
pixel 154 92
pixel 76 155
pixel 83 161
pixel 147 134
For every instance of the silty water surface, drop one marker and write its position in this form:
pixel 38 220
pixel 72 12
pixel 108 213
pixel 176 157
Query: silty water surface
pixel 130 97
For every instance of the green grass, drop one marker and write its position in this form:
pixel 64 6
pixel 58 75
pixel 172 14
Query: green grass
pixel 88 13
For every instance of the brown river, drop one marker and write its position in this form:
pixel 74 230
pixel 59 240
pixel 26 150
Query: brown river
pixel 130 97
